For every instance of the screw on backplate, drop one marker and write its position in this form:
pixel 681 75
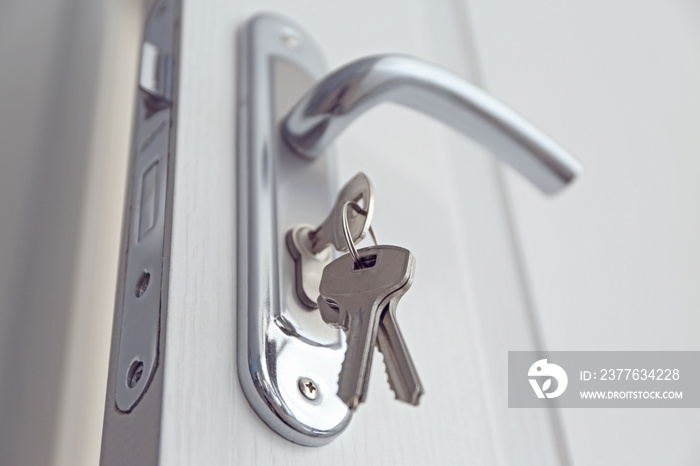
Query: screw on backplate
pixel 291 39
pixel 308 388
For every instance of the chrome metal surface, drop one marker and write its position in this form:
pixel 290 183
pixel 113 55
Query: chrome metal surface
pixel 308 267
pixel 134 398
pixel 402 375
pixel 327 109
pixel 308 388
pixel 155 75
pixel 333 230
pixel 400 369
pixel 279 340
pixel 354 299
pixel 145 254
pixel 349 241
pixel 310 248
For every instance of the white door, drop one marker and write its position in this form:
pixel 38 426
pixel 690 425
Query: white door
pixel 609 264
pixel 437 194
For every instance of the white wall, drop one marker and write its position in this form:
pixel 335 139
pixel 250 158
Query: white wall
pixel 67 81
pixel 614 261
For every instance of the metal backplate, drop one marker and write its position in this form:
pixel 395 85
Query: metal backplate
pixel 143 291
pixel 280 341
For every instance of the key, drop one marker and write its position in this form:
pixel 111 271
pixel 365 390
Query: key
pixel 402 374
pixel 353 299
pixel 331 230
pixel 309 247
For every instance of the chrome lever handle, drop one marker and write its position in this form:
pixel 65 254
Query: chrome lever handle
pixel 345 94
pixel 289 359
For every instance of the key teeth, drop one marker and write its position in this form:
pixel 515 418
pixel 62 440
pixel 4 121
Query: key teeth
pixel 388 379
pixel 354 401
pixel 414 399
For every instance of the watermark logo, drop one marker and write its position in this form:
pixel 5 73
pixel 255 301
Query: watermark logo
pixel 603 379
pixel 542 370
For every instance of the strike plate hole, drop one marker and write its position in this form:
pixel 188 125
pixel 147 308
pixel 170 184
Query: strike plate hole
pixel 135 374
pixel 142 284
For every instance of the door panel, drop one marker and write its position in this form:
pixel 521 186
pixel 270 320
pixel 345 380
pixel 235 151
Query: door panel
pixel 437 194
pixel 614 262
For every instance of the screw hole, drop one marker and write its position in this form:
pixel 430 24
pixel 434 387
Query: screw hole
pixel 134 374
pixel 142 284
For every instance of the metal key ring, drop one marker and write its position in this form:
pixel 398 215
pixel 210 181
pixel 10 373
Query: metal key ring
pixel 348 237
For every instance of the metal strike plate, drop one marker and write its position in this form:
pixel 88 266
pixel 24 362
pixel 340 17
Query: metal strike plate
pixel 143 291
pixel 288 358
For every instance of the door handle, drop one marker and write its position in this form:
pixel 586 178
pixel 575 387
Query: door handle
pixel 345 94
pixel 284 346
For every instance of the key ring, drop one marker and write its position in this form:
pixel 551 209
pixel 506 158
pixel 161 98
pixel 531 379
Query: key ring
pixel 348 236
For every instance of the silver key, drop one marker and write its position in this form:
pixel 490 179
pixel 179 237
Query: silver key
pixel 331 230
pixel 353 299
pixel 403 377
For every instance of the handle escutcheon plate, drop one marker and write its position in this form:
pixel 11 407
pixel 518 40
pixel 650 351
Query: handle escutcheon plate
pixel 280 341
